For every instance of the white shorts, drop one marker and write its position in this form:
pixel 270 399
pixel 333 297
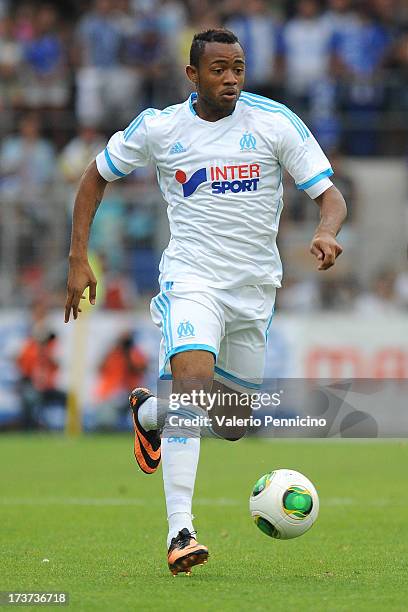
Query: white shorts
pixel 232 324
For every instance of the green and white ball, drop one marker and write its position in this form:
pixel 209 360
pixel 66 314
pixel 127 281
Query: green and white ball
pixel 284 504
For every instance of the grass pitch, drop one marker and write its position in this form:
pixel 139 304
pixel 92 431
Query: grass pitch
pixel 83 505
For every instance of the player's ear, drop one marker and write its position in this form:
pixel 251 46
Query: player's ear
pixel 192 74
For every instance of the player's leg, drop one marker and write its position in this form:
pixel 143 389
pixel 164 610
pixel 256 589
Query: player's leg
pixel 188 320
pixel 241 360
pixel 232 403
pixel 192 373
pixel 180 448
pixel 239 373
pixel 192 326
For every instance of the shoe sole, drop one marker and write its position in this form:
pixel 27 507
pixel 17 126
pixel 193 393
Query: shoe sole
pixel 185 563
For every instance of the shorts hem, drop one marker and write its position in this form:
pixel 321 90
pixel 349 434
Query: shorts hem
pixel 236 379
pixel 180 349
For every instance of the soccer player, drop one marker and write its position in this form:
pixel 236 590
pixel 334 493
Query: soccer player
pixel 219 159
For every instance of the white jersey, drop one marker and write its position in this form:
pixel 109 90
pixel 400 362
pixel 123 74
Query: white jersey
pixel 222 182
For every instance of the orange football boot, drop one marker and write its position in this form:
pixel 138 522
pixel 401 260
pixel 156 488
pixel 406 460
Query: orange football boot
pixel 147 444
pixel 185 552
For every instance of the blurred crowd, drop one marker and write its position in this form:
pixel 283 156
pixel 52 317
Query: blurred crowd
pixel 36 367
pixel 73 72
pixel 98 63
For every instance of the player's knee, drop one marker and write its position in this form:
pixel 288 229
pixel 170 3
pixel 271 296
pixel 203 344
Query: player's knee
pixel 230 434
pixel 236 437
pixel 192 370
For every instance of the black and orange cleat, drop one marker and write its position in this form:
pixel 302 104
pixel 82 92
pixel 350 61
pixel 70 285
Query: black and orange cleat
pixel 185 552
pixel 147 443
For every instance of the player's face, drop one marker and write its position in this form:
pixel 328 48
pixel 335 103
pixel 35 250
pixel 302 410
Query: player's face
pixel 219 78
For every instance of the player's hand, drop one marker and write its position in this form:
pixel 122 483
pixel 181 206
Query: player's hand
pixel 80 276
pixel 326 249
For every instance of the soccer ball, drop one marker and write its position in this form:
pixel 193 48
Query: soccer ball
pixel 284 504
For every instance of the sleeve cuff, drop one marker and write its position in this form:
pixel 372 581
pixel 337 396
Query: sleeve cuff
pixel 318 188
pixel 107 168
pixel 315 179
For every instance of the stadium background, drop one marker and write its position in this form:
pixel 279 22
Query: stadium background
pixel 71 73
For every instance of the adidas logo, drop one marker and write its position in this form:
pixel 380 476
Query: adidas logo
pixel 177 148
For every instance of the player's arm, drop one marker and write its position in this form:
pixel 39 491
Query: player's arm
pixel 80 274
pixel 299 152
pixel 333 211
pixel 124 152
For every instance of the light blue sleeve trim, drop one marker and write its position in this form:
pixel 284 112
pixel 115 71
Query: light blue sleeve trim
pixel 112 166
pixel 315 179
pixel 235 379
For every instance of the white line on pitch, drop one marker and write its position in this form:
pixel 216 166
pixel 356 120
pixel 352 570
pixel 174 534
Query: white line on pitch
pixel 203 501
pixel 104 501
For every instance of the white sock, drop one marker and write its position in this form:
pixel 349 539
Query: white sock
pixel 177 522
pixel 153 412
pixel 148 414
pixel 179 460
pixel 180 451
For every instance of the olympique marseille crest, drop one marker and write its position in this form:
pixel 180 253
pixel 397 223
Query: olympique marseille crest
pixel 248 142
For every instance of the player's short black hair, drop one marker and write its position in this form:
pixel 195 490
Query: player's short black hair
pixel 220 35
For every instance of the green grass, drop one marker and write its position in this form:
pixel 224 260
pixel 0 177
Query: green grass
pixel 84 505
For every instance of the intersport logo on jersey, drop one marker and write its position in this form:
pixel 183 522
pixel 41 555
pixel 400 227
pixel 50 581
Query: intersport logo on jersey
pixel 224 179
